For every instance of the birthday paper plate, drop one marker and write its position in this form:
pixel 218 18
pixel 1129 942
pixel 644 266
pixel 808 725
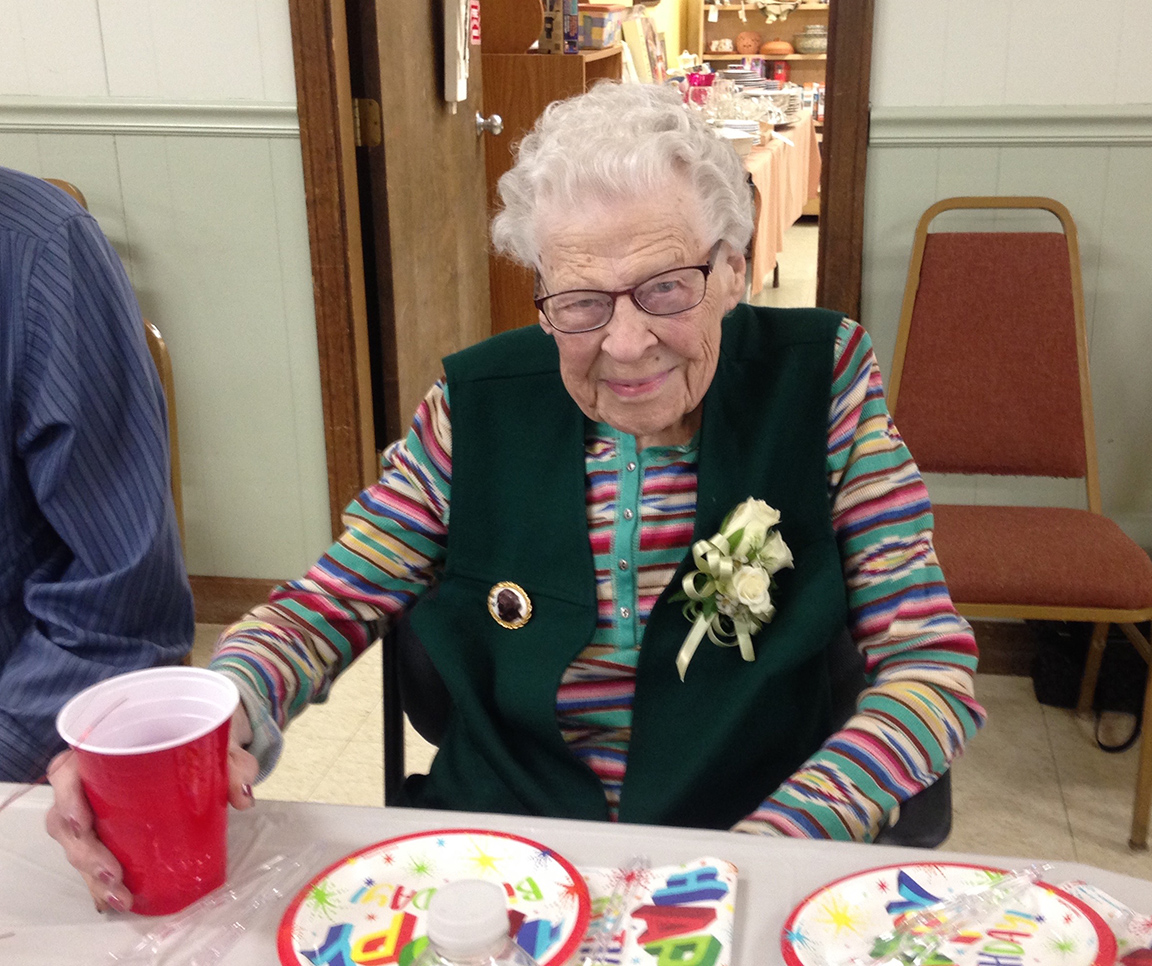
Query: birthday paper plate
pixel 370 908
pixel 846 920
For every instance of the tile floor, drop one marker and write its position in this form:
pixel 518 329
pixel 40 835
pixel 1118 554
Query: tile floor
pixel 797 268
pixel 1032 783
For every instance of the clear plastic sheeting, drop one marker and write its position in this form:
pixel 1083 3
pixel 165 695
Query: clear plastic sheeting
pixel 205 932
pixel 919 935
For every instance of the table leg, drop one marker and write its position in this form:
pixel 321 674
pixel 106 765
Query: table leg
pixel 1143 799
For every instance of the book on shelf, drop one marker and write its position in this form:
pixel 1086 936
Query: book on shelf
pixel 638 47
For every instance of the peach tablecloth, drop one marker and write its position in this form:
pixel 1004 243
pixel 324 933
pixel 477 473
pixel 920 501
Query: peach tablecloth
pixel 786 178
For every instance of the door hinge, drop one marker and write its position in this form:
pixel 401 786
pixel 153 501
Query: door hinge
pixel 366 122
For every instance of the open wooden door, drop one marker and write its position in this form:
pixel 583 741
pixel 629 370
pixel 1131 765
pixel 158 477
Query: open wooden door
pixel 424 203
pixel 419 288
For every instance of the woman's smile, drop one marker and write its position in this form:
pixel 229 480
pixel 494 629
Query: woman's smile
pixel 645 375
pixel 638 385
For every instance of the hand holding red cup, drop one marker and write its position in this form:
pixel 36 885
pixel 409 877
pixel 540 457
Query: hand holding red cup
pixel 151 758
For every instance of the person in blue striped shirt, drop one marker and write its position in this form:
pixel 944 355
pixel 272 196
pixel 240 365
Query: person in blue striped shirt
pixel 92 579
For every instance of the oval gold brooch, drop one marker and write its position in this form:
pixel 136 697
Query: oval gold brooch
pixel 509 605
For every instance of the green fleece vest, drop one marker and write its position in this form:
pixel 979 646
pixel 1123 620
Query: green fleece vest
pixel 704 752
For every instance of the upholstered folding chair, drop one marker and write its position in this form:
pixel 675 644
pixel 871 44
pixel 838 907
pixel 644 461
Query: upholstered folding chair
pixel 69 189
pixel 163 361
pixel 990 377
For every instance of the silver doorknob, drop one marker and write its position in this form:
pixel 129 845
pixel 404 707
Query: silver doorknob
pixel 493 124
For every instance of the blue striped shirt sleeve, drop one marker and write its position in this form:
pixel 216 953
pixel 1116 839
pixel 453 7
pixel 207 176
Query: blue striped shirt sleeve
pixel 92 580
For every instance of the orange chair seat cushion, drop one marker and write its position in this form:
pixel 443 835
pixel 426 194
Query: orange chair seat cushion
pixel 1041 556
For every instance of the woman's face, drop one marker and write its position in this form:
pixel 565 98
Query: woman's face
pixel 645 375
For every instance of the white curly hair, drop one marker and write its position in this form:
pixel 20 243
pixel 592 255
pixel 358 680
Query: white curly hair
pixel 614 142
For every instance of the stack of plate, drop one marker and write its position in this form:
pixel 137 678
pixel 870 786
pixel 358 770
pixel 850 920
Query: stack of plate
pixel 743 141
pixel 751 128
pixel 742 76
pixel 795 104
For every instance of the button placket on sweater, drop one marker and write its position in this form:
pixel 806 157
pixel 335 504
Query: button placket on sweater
pixel 627 539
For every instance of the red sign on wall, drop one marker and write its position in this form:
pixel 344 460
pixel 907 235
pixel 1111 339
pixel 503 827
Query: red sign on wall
pixel 474 22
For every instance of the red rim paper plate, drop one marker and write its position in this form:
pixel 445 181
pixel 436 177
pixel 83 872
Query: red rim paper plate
pixel 844 918
pixel 371 905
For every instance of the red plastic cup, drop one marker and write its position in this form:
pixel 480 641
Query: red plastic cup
pixel 152 749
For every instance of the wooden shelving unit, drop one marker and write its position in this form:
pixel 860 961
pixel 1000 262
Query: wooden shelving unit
pixel 821 57
pixel 700 31
pixel 752 6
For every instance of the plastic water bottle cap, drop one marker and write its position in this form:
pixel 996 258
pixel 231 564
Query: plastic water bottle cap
pixel 468 919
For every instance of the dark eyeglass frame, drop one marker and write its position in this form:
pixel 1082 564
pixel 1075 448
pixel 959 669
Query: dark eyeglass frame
pixel 706 270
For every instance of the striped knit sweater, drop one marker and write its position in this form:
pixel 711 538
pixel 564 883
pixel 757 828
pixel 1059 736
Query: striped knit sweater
pixel 910 723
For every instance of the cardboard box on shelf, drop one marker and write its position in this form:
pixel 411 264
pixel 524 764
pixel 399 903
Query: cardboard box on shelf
pixel 600 24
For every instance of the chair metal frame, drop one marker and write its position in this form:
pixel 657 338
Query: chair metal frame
pixel 158 349
pixel 1100 617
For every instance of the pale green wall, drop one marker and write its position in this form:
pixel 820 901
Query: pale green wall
pixel 177 120
pixel 1016 97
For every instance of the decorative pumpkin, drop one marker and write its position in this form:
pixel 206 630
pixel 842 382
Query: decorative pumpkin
pixel 748 42
pixel 777 48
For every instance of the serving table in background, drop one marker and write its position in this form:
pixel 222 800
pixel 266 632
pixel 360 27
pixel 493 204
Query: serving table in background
pixel 787 177
pixel 47 917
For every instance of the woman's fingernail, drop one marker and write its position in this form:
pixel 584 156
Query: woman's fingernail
pixel 74 827
pixel 105 876
pixel 247 790
pixel 116 902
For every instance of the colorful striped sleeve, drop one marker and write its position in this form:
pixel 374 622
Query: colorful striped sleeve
pixel 918 708
pixel 283 655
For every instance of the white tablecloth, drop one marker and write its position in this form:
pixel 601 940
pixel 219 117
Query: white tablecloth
pixel 47 917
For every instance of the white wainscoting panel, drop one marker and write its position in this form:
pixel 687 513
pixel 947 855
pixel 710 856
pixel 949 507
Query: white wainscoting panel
pixel 52 48
pixel 224 49
pixel 909 40
pixel 1057 58
pixel 988 52
pixel 212 230
pixel 171 49
pixel 1122 336
pixel 918 156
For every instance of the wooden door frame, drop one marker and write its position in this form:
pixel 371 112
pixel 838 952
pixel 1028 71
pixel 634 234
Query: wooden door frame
pixel 327 147
pixel 320 52
pixel 839 269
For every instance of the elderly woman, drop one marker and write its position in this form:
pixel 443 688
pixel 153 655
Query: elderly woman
pixel 553 485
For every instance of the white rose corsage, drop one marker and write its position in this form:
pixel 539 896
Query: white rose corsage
pixel 729 595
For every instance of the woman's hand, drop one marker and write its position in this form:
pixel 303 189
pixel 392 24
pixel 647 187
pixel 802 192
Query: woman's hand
pixel 70 820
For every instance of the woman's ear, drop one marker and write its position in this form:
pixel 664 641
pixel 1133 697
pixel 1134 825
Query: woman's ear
pixel 734 262
pixel 538 289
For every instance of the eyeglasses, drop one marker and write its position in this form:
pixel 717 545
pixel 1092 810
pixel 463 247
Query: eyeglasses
pixel 667 293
